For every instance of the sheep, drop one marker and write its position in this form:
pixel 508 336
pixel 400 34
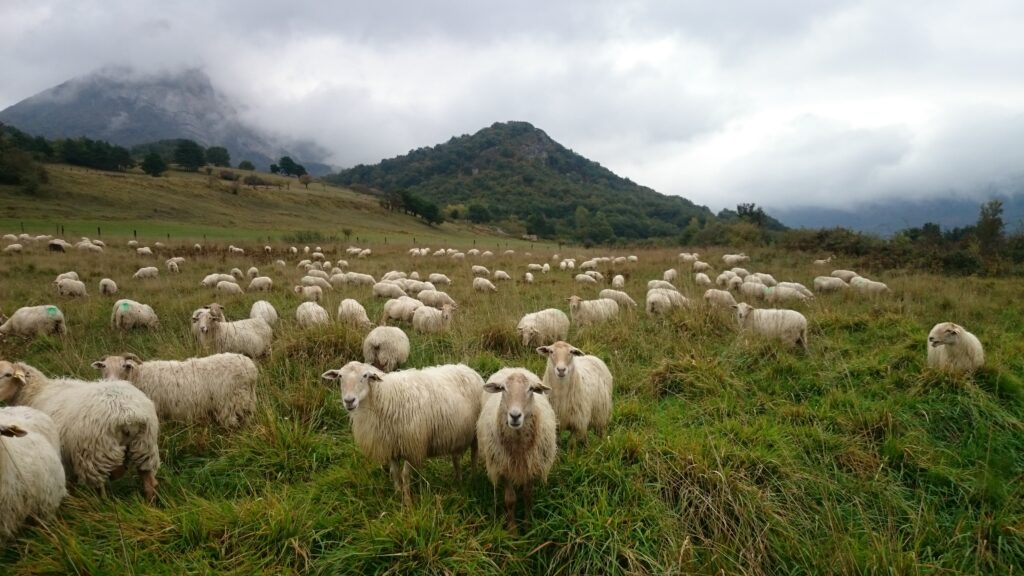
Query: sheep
pixel 588 312
pixel 741 272
pixel 517 435
pixel 669 275
pixel 71 275
pixel 310 293
pixel 544 327
pixel 829 284
pixel 236 251
pixel 528 278
pixel 387 290
pixel 405 417
pixel 721 298
pixel 534 267
pixel 104 426
pixel 401 308
pixel 318 274
pixel 364 253
pixel 393 275
pixel 777 294
pixel 439 279
pixel 581 389
pixel 620 297
pixel 618 282
pixel 699 266
pixel 251 336
pixel 501 275
pixel 280 263
pixel 866 286
pixel 144 251
pixel 311 314
pixel 172 267
pixel 731 260
pixel 595 275
pixel 261 284
pixel 735 283
pixel 69 287
pixel 486 254
pixel 846 275
pixel 386 348
pixel 585 279
pixel 483 285
pixel 660 284
pixel 701 279
pixel 32 482
pixel 236 274
pixel 128 314
pixel 352 313
pixel 108 287
pixel 225 287
pixel 687 258
pixel 662 301
pixel 824 262
pixel 359 279
pixel 798 287
pixel 211 280
pixel 480 271
pixel 220 388
pixel 197 247
pixel 954 349
pixel 146 273
pixel 252 272
pixel 34 321
pixel 753 290
pixel 545 268
pixel 789 326
pixel 13 248
pixel 430 320
pixel 265 310
pixel 763 278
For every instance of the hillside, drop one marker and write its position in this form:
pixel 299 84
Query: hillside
pixel 513 169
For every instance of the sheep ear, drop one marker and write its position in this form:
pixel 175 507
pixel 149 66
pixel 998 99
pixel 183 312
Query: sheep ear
pixel 544 350
pixel 132 358
pixel 540 388
pixel 373 377
pixel 11 430
pixel 577 352
pixel 736 306
pixel 20 376
pixel 99 364
pixel 494 387
pixel 331 375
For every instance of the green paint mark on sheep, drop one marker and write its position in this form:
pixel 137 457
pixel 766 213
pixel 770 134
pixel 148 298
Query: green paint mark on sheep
pixel 124 305
pixel 51 310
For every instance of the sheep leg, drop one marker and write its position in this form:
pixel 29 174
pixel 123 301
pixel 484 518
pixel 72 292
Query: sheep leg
pixel 406 484
pixel 396 475
pixel 149 485
pixel 118 472
pixel 474 452
pixel 510 505
pixel 457 466
pixel 528 502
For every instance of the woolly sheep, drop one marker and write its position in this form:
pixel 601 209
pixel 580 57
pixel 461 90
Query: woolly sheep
pixel 32 482
pixel 731 260
pixel 252 272
pixel 585 279
pixel 687 258
pixel 796 286
pixel 172 267
pixel 386 348
pixel 544 327
pixel 236 274
pixel 351 312
pixel 311 314
pixel 534 267
pixel 778 294
pixel 265 310
pixel 660 284
pixel 364 253
pixel 699 266
pixel 34 321
pixel 621 298
pixel 723 279
pixel 545 268
pixel 144 251
pixel 211 280
pixel 318 274
pixel 663 300
pixel 108 287
pixel 280 263
pixel 829 284
pixel 439 279
pixel 581 389
pixel 430 320
pixel 103 426
pixel 954 349
pixel 763 278
pixel 401 308
pixel 753 290
pixel 846 275
pixel 595 275
pixel 393 275
pixel 588 312
pixel 866 286
pixel 405 417
pixel 359 279
pixel 435 298
pixel 235 251
pixel 388 290
pixel 824 262
pixel 741 272
pixel 71 275
pixel 528 278
pixel 701 279
pixel 220 388
pixel 480 271
pixel 251 336
pixel 69 287
pixel 147 272
pixel 501 275
pixel 13 248
pixel 310 293
pixel 670 275
pixel 483 285
pixel 720 298
pixel 225 287
pixel 789 326
pixel 618 282
pixel 128 314
pixel 517 434
pixel 261 284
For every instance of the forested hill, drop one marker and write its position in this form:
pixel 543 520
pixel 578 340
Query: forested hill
pixel 514 171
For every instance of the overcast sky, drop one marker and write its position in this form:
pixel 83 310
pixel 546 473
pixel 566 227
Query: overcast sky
pixel 821 102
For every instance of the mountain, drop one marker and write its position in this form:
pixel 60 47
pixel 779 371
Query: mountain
pixel 129 109
pixel 513 169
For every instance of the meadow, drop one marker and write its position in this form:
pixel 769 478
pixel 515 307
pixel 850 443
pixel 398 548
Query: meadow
pixel 726 454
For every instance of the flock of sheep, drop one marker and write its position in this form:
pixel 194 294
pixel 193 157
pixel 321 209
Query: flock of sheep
pixel 59 430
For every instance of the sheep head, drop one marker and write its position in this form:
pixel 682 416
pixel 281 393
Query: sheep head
pixel 560 357
pixel 355 380
pixel 944 334
pixel 13 376
pixel 517 387
pixel 118 367
pixel 743 310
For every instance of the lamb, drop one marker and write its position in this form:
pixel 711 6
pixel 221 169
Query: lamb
pixel 128 314
pixel 588 312
pixel 104 426
pixel 386 348
pixel 144 251
pixel 401 308
pixel 789 326
pixel 701 279
pixel 544 327
pixel 172 267
pixel 69 287
pixel 846 275
pixel 211 280
pixel 316 281
pixel 824 262
pixel 720 298
pixel 439 279
pixel 405 417
pixel 528 278
pixel 618 282
pixel 670 275
pixel 954 349
pixel 430 320
pixel 829 284
pixel 32 482
pixel 731 260
pixel 261 284
pixel 310 293
pixel 866 286
pixel 483 285
pixel 34 321
pixel 621 298
pixel 352 313
pixel 252 272
pixel 501 275
pixel 517 434
pixel 219 388
pixel 251 336
pixel 225 287
pixel 387 290
pixel 108 287
pixel 581 389
pixel 146 273
pixel 311 314
pixel 265 310
pixel 480 271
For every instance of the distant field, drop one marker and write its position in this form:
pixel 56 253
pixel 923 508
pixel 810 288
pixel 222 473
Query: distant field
pixel 726 453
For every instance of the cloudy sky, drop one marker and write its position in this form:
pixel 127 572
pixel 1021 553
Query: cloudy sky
pixel 802 102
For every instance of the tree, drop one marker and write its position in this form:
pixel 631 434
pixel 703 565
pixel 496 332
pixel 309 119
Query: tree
pixel 246 165
pixel 305 179
pixel 752 213
pixel 290 168
pixel 478 213
pixel 989 229
pixel 218 156
pixel 189 155
pixel 153 164
pixel 274 168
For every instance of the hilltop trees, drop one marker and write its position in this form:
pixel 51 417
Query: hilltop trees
pixel 289 167
pixel 218 156
pixel 246 165
pixel 189 155
pixel 153 164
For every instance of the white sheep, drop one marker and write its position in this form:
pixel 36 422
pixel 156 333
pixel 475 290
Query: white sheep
pixel 439 279
pixel 401 308
pixel 172 267
pixel 13 248
pixel 789 326
pixel 310 314
pixel 731 260
pixel 544 327
pixel 670 275
pixel 651 285
pixel 763 278
pixel 265 310
pixel 34 321
pixel 866 286
pixel 430 320
pixel 699 266
pixel 316 281
pixel 619 282
pixel 776 294
pixel 69 287
pixel 388 290
pixel 405 417
pixel 32 482
pixel 663 300
pixel 386 347
pixel 753 289
pixel 108 287
pixel 589 312
pixel 144 251
pixel 147 272
pixel 798 287
pixel 128 314
pixel 585 279
pixel 104 426
pixel 829 284
pixel 480 270
pixel 318 274
pixel 251 336
pixel 722 298
pixel 236 274
pixel 483 285
pixel 688 258
pixel 351 312
pixel 252 272
pixel 225 287
pixel 220 388
pixel 701 279
pixel 501 275
pixel 954 349
pixel 825 261
pixel 211 280
pixel 741 272
pixel 72 275
pixel 581 389
pixel 846 275
pixel 310 293
pixel 620 297
pixel 517 433
pixel 261 284
pixel 236 251
pixel 595 275
pixel 528 278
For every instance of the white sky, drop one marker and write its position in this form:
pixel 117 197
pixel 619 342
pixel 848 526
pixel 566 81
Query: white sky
pixel 805 102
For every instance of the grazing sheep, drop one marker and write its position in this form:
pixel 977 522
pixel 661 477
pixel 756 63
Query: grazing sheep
pixel 69 287
pixel 829 284
pixel 763 278
pixel 866 286
pixel 544 327
pixel 388 290
pixel 364 253
pixel 318 274
pixel 484 285
pixel 798 287
pixel 621 298
pixel 701 279
pixel 252 272
pixel 72 275
pixel 439 279
pixel 528 278
pixel 104 426
pixel 13 249
pixel 405 417
pixel 108 287
pixel 225 287
pixel 351 312
pixel 585 279
pixel 753 290
pixel 595 275
pixel 311 314
pixel 386 348
pixel 518 435
pixel 235 251
pixel 741 272
pixel 663 300
pixel 236 274
pixel 721 298
pixel 731 260
pixel 789 326
pixel 34 321
pixel 211 280
pixel 618 282
pixel 430 320
pixel 146 273
pixel 265 310
pixel 480 271
pixel 220 388
pixel 32 482
pixel 699 266
pixel 128 314
pixel 670 275
pixel 261 284
pixel 144 251
pixel 172 267
pixel 660 284
pixel 846 275
pixel 401 308
pixel 316 281
pixel 581 389
pixel 954 349
pixel 251 336
pixel 501 275
pixel 778 294
pixel 588 312
pixel 310 293
pixel 824 262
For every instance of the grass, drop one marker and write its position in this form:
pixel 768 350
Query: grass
pixel 726 454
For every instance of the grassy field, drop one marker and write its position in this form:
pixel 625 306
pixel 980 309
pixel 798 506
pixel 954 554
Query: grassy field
pixel 726 454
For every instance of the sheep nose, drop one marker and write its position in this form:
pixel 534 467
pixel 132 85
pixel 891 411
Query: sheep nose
pixel 515 418
pixel 561 371
pixel 350 402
